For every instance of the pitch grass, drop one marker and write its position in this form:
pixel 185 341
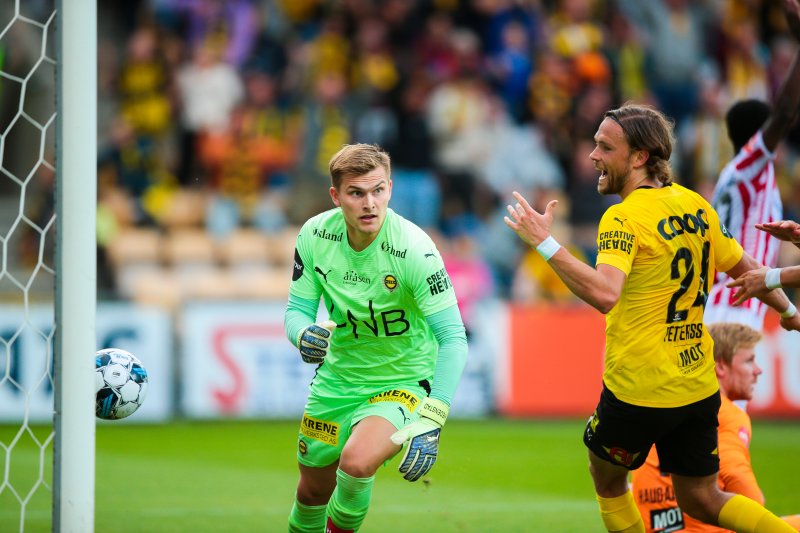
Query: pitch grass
pixel 492 476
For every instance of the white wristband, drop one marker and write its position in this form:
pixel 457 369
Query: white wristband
pixel 548 248
pixel 773 278
pixel 790 311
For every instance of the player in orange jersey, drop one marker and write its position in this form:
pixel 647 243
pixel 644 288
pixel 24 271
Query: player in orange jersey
pixel 737 371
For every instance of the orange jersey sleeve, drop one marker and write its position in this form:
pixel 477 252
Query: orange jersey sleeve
pixel 735 471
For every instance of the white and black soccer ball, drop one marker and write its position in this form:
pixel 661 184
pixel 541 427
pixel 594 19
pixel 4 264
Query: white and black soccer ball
pixel 120 384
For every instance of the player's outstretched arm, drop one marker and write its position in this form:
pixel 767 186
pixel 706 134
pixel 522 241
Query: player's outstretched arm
pixel 599 288
pixel 785 230
pixel 764 283
pixel 787 99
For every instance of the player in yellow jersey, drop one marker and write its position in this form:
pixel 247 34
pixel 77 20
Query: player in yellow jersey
pixel 657 252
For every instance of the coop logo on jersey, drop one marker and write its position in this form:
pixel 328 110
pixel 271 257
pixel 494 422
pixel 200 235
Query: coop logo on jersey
pixel 325 234
pixel 666 520
pixel 676 225
pixel 321 430
pixel 439 282
pixel 297 271
pixel 622 456
pixel 404 397
pixel 725 231
pixel 391 250
pixel 390 282
pixel 351 277
pixel 690 359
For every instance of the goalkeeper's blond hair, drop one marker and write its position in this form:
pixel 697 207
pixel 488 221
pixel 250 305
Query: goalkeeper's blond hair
pixel 357 160
pixel 729 338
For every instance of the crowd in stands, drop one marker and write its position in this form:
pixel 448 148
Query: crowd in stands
pixel 242 102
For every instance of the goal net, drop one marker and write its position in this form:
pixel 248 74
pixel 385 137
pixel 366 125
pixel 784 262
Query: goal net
pixel 47 264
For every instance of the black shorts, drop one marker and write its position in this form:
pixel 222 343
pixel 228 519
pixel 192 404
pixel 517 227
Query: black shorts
pixel 685 437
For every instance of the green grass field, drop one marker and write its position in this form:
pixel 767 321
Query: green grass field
pixel 492 476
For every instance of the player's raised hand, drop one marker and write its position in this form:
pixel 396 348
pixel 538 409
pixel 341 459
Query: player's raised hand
pixel 751 283
pixel 792 10
pixel 313 341
pixel 785 230
pixel 422 439
pixel 531 226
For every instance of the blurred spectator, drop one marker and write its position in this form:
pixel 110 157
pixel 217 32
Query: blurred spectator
pixel 416 193
pixel 745 63
pixel 626 57
pixel 209 89
pixel 511 68
pixel 469 271
pixel 673 33
pixel 232 23
pixel 326 126
pixel 143 85
pixel 703 139
pixel 249 161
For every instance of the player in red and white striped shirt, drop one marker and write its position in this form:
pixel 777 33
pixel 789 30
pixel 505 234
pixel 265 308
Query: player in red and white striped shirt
pixel 746 193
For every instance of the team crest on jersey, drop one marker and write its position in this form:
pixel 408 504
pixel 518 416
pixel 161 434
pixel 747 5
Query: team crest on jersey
pixel 302 447
pixel 390 282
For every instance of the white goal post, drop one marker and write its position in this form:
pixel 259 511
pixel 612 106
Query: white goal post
pixel 76 267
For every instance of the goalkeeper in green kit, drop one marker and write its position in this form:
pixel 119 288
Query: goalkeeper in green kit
pixel 390 354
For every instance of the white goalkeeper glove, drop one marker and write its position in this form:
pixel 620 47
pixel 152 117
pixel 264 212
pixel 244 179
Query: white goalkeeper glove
pixel 422 438
pixel 313 341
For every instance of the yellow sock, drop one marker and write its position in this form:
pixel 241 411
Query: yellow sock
pixel 620 514
pixel 743 515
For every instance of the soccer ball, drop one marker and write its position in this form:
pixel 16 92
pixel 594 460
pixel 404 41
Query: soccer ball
pixel 120 384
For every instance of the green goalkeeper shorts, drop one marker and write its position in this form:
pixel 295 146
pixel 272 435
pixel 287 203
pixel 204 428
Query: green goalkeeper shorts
pixel 334 408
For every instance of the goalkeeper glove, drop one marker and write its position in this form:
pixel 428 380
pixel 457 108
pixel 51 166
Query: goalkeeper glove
pixel 313 341
pixel 422 438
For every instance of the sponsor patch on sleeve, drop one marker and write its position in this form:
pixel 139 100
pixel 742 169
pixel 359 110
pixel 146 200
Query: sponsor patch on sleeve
pixel 297 271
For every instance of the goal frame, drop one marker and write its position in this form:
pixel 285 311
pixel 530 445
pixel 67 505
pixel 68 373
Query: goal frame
pixel 76 266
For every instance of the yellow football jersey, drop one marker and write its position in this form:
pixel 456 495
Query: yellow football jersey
pixel 668 241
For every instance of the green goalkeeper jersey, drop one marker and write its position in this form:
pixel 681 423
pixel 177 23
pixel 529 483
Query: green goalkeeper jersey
pixel 378 297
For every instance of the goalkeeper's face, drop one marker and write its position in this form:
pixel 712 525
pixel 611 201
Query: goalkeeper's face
pixel 364 200
pixel 738 379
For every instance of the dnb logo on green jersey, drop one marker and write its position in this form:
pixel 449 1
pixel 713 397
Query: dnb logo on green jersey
pixel 321 430
pixel 399 396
